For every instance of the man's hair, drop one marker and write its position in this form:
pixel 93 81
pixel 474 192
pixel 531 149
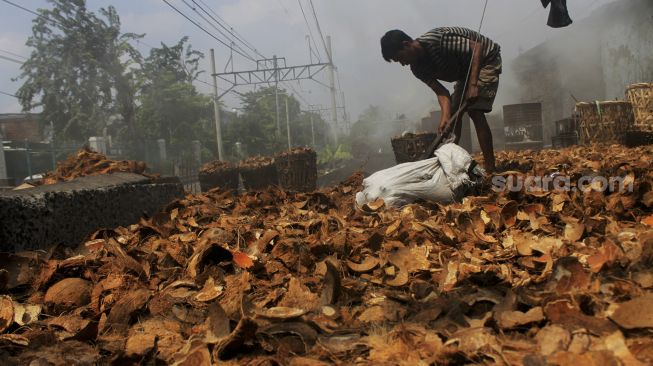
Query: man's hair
pixel 392 42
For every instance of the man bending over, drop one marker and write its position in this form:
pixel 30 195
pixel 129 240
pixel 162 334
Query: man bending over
pixel 453 54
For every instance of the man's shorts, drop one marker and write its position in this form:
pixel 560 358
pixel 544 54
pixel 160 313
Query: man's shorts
pixel 488 84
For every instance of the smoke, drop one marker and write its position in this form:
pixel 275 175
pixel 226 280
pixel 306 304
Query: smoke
pixel 595 58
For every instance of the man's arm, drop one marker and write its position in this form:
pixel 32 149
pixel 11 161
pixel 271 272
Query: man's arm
pixel 472 84
pixel 444 99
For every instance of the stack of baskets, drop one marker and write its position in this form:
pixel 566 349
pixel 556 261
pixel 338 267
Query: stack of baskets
pixel 258 173
pixel 297 169
pixel 604 122
pixel 219 174
pixel 410 147
pixel 641 97
pixel 294 170
pixel 566 134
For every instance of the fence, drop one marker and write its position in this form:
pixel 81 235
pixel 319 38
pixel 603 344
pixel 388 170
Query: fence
pixel 180 160
pixel 187 170
pixel 28 160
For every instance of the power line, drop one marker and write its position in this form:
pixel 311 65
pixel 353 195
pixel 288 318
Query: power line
pixel 56 22
pixel 214 27
pixel 11 59
pixel 219 20
pixel 204 30
pixel 20 7
pixel 51 20
pixel 231 31
pixel 138 41
pixel 283 6
pixel 317 23
pixel 310 32
pixel 13 54
pixel 33 12
pixel 9 94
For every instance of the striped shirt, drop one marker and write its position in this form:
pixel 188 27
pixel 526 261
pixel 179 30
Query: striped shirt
pixel 449 54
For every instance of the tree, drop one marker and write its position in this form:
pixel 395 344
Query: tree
pixel 256 125
pixel 170 106
pixel 80 69
pixel 373 131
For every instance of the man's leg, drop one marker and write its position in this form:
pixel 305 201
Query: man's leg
pixel 484 134
pixel 455 104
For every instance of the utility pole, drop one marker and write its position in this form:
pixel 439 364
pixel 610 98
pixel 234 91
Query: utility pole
pixel 344 111
pixel 276 92
pixel 266 75
pixel 288 124
pixel 334 113
pixel 216 107
pixel 312 130
pixel 310 49
pixel 3 164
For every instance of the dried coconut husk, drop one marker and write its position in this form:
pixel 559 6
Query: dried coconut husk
pixel 68 294
pixel 6 312
pixel 88 162
pixel 216 166
pixel 501 278
pixel 258 173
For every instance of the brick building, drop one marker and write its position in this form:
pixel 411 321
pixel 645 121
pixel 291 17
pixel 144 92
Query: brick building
pixel 21 126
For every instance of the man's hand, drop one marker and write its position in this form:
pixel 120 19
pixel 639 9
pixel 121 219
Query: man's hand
pixel 472 93
pixel 443 125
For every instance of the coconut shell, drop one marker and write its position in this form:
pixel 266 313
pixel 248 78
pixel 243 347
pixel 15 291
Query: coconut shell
pixel 68 294
pixel 6 312
pixel 26 314
pixel 280 312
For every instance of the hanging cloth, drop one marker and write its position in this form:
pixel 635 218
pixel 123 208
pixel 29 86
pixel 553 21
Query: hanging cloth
pixel 559 15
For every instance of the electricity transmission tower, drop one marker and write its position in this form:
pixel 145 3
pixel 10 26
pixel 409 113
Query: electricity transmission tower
pixel 275 70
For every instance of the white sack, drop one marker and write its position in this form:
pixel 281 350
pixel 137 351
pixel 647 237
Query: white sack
pixel 443 179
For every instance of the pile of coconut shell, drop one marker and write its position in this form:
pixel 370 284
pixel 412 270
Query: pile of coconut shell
pixel 88 162
pixel 256 162
pixel 216 166
pixel 271 278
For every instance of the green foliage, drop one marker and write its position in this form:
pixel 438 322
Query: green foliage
pixel 170 106
pixel 373 131
pixel 256 125
pixel 87 78
pixel 79 70
pixel 329 155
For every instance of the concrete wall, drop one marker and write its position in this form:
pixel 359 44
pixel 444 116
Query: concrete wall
pixel 66 213
pixel 627 47
pixel 594 59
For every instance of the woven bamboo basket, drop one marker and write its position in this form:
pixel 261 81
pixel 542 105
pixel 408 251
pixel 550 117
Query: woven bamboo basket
pixel 410 148
pixel 219 174
pixel 259 177
pixel 564 140
pixel 604 122
pixel 641 97
pixel 638 138
pixel 297 170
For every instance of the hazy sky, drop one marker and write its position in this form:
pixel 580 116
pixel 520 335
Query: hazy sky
pixel 278 27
